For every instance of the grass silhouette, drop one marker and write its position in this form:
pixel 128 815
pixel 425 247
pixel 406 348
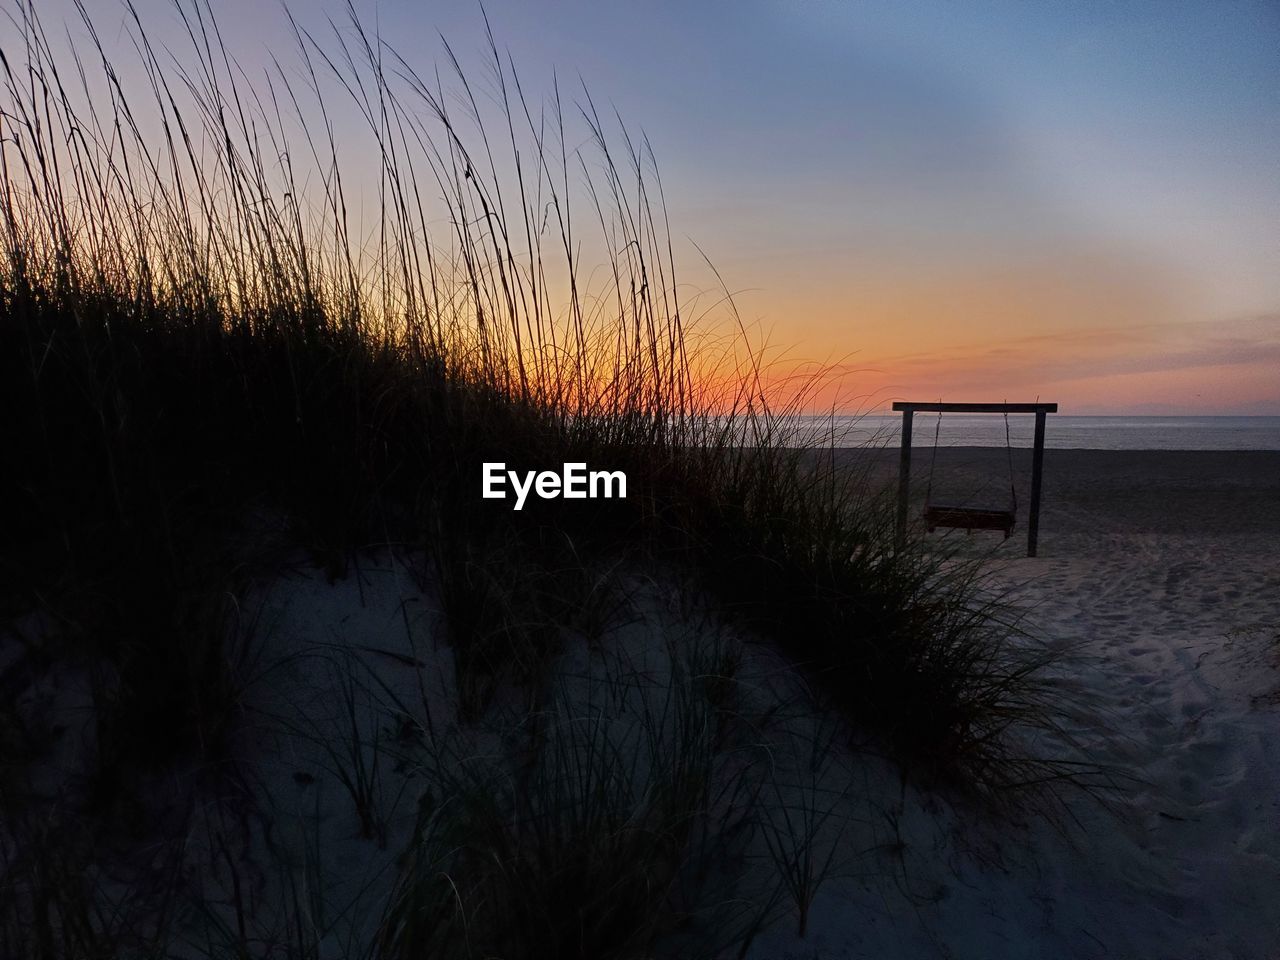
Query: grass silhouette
pixel 205 358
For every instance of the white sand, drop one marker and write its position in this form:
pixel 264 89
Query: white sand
pixel 1187 668
pixel 1174 621
pixel 1164 571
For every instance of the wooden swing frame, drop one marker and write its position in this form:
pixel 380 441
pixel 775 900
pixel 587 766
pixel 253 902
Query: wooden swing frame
pixel 968 518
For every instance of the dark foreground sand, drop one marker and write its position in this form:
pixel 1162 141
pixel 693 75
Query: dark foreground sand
pixel 1158 579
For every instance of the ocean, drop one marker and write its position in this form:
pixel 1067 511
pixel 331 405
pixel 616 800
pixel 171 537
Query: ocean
pixel 1061 432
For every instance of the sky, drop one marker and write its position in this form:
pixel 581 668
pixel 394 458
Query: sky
pixel 1077 202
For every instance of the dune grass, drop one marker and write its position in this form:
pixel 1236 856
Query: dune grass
pixel 592 844
pixel 201 341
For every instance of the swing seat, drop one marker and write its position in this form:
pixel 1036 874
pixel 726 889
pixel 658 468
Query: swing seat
pixel 968 518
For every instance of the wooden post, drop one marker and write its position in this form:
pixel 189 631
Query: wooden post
pixel 1037 470
pixel 904 476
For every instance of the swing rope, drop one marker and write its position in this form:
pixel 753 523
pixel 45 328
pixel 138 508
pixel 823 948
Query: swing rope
pixel 937 428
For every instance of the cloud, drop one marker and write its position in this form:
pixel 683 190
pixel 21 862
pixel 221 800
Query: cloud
pixel 1217 366
pixel 1101 351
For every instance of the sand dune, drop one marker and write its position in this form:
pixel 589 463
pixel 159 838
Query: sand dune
pixel 1160 574
pixel 1159 580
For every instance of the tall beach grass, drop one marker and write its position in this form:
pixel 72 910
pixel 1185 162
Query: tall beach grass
pixel 210 350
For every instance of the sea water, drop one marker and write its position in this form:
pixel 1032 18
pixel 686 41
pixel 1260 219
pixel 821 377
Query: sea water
pixel 1061 431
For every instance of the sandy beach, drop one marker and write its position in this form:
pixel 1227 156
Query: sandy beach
pixel 1092 494
pixel 1161 572
pixel 1165 568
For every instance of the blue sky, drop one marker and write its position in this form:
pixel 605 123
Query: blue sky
pixel 924 190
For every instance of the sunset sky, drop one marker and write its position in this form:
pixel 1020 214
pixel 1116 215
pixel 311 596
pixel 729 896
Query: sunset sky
pixel 973 201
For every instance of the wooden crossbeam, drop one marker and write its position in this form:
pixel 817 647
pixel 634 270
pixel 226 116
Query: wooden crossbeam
pixel 912 406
